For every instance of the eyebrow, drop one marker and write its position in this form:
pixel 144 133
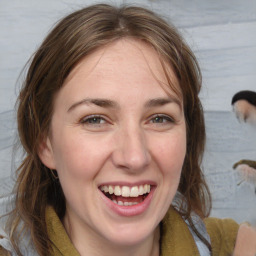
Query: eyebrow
pixel 162 101
pixel 106 103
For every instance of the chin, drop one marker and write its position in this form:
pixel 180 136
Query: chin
pixel 130 235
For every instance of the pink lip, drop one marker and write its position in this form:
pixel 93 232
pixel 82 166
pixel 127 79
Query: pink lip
pixel 129 211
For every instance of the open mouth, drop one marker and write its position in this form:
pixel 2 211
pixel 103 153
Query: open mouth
pixel 126 196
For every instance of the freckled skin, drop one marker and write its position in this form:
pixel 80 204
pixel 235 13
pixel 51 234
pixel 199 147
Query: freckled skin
pixel 127 139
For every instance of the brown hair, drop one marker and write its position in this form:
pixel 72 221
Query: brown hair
pixel 72 39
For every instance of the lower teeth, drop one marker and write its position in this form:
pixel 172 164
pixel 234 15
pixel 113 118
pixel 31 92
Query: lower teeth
pixel 124 203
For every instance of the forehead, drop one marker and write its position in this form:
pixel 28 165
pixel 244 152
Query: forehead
pixel 126 71
pixel 126 57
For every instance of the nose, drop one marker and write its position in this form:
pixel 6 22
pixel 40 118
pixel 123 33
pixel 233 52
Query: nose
pixel 131 151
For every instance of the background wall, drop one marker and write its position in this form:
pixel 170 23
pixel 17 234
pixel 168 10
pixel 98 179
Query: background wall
pixel 222 34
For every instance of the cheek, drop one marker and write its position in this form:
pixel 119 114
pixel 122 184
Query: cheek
pixel 78 157
pixel 171 154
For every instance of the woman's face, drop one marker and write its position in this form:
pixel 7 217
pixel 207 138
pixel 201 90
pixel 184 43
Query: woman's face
pixel 118 142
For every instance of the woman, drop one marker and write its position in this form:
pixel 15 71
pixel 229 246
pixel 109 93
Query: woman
pixel 113 132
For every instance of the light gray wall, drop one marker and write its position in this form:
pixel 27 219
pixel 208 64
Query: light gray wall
pixel 223 35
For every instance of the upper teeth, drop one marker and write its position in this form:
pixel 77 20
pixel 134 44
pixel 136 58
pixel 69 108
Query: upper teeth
pixel 126 191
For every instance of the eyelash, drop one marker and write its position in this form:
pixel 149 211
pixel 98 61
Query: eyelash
pixel 90 120
pixel 167 119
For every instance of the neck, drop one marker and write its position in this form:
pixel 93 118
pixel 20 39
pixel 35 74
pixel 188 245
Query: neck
pixel 89 244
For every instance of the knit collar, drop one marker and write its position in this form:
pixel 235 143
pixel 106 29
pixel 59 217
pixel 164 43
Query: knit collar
pixel 176 238
pixel 62 245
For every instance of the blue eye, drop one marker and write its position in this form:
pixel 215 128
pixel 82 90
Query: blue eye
pixel 93 120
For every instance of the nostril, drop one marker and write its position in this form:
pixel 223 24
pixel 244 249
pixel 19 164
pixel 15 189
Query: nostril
pixel 131 150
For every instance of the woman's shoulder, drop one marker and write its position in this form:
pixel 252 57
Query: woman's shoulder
pixel 228 236
pixel 219 226
pixel 223 233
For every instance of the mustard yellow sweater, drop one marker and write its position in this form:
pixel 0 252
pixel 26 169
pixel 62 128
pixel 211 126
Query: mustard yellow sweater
pixel 176 238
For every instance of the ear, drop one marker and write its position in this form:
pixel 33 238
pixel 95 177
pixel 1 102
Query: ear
pixel 45 153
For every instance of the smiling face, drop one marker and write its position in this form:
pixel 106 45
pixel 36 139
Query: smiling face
pixel 118 142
